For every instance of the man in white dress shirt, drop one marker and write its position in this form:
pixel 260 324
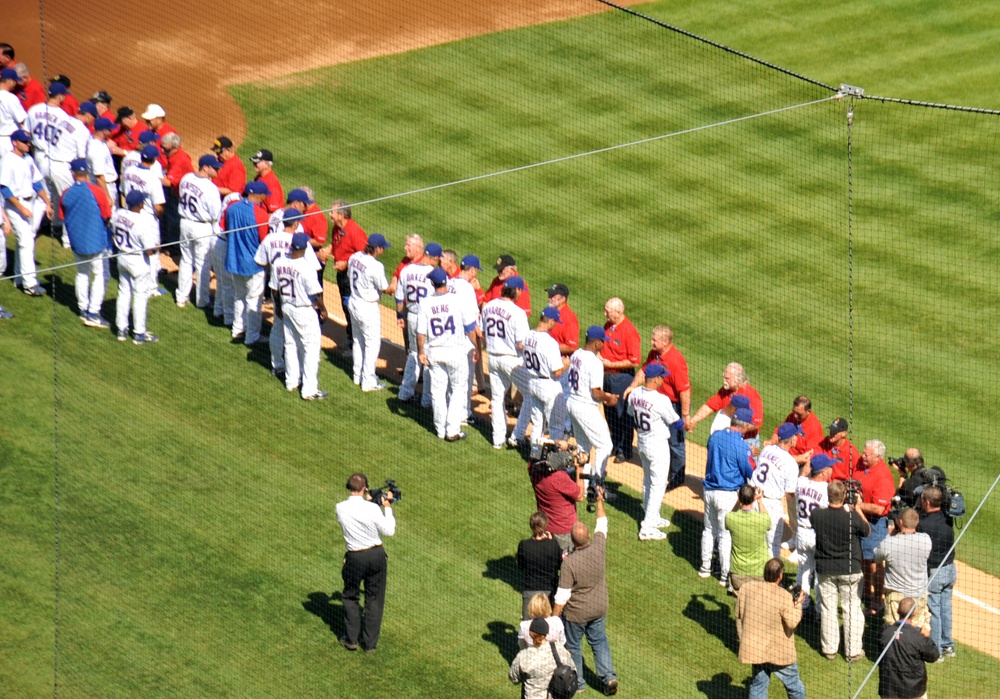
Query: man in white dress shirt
pixel 364 523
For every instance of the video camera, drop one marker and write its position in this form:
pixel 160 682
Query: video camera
pixel 853 491
pixel 593 483
pixel 552 458
pixel 909 494
pixel 378 494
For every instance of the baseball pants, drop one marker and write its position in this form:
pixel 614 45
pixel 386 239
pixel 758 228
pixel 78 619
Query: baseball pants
pixel 279 337
pixel 449 372
pixel 544 393
pixel 412 371
pixel 302 345
pixel 777 531
pixel 500 366
pixel 224 301
pixel 559 423
pixel 91 280
pixel 367 340
pixel 718 503
pixel 134 285
pixel 521 378
pixel 195 243
pixel 591 430
pixel 805 546
pixel 655 472
pixel 344 287
pixel 619 423
pixel 59 178
pixel 24 237
pixel 248 292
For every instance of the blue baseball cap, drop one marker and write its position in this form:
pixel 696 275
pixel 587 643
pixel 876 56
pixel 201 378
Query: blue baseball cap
pixel 57 89
pixel 299 240
pixel 377 240
pixel 103 124
pixel 596 332
pixel 291 215
pixel 789 429
pixel 150 153
pixel 209 160
pixel 470 261
pixel 135 198
pixel 743 415
pixel 78 165
pixel 654 369
pixel 148 137
pixel 256 187
pixel 88 108
pixel 433 250
pixel 300 196
pixel 437 277
pixel 821 462
pixel 21 135
pixel 514 283
pixel 9 74
pixel 551 314
pixel 739 401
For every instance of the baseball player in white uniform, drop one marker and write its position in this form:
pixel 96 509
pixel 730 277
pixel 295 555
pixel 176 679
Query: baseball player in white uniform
pixel 654 415
pixel 25 202
pixel 100 162
pixel 538 377
pixel 276 246
pixel 225 302
pixel 367 278
pixel 461 285
pixel 135 237
pixel 585 380
pixel 133 158
pixel 411 288
pixel 142 178
pixel 446 332
pixel 810 494
pixel 200 207
pixel 58 139
pixel 297 200
pixel 502 329
pixel 776 475
pixel 300 295
pixel 12 114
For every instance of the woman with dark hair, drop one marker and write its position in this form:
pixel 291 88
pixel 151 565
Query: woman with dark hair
pixel 539 559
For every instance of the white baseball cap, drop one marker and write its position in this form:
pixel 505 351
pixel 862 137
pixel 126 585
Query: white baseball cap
pixel 153 111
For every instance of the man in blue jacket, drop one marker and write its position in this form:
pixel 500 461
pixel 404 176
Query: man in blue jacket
pixel 85 211
pixel 729 465
pixel 245 221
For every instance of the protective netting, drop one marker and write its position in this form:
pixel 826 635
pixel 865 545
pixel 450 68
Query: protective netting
pixel 168 509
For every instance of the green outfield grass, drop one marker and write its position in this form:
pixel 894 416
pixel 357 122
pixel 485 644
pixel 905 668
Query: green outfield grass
pixel 197 545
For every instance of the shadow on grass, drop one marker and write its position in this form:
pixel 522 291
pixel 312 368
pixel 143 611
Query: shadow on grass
pixel 721 687
pixel 715 617
pixel 684 536
pixel 321 604
pixel 504 637
pixel 504 569
pixel 628 504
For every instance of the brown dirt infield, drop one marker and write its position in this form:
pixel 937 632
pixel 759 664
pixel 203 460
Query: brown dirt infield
pixel 183 56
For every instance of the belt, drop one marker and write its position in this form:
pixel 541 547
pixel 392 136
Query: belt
pixel 376 546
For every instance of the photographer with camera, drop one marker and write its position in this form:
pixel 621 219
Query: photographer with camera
pixel 767 615
pixel 364 522
pixel 939 527
pixel 907 465
pixel 558 486
pixel 905 553
pixel 839 529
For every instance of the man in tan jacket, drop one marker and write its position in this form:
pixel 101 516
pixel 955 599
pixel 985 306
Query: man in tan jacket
pixel 768 616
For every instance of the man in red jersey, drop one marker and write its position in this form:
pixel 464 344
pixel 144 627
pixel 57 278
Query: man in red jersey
pixel 347 239
pixel 812 430
pixel 178 165
pixel 677 387
pixel 620 355
pixel 837 446
pixel 70 105
pixel 877 491
pixel 126 136
pixel 263 162
pixel 31 91
pixel 734 380
pixel 316 227
pixel 507 268
pixel 233 175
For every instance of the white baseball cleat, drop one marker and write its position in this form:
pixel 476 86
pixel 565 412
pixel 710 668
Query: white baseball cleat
pixel 651 534
pixel 663 523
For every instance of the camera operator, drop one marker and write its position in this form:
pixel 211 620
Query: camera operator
pixel 557 493
pixel 767 615
pixel 911 462
pixel 364 523
pixel 938 526
pixel 877 491
pixel 839 530
pixel 905 554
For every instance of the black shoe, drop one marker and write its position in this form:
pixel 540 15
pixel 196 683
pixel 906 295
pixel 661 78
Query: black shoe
pixel 347 644
pixel 611 687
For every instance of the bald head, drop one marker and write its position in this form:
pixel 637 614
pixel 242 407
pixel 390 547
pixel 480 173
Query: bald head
pixel 580 534
pixel 905 606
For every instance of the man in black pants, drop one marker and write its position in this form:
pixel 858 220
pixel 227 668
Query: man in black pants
pixel 364 523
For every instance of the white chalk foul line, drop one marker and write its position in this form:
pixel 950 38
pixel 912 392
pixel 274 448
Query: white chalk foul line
pixel 972 600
